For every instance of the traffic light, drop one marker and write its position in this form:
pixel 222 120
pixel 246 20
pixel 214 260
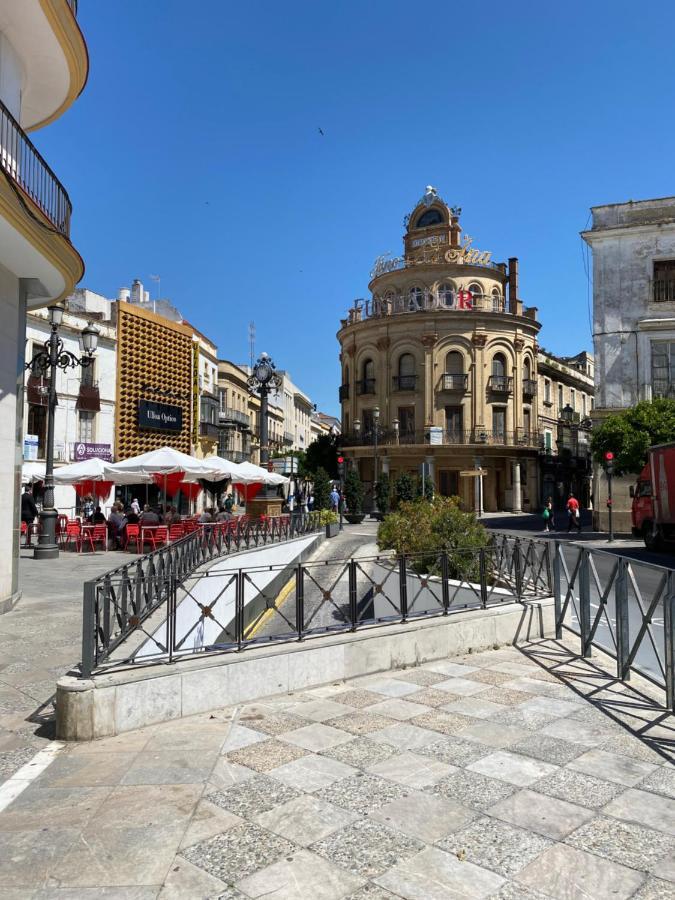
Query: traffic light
pixel 341 467
pixel 609 463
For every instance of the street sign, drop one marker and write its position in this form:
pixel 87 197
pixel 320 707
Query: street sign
pixel 473 473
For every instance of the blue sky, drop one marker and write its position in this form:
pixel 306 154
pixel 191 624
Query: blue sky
pixel 194 151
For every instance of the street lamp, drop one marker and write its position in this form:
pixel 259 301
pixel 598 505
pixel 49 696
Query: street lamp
pixel 376 418
pixel 47 361
pixel 264 380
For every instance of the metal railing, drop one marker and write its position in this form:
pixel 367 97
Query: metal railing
pixel 344 392
pixel 453 382
pixel 662 290
pixel 209 430
pixel 529 387
pixel 233 415
pixel 441 436
pixel 365 386
pixel 621 606
pixel 226 609
pixel 404 382
pixel 118 603
pixel 500 384
pixel 24 165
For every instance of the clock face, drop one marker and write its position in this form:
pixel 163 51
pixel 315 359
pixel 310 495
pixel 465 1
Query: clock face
pixel 263 372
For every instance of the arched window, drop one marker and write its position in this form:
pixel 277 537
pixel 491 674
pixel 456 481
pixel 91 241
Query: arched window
pixel 430 217
pixel 406 372
pixel 499 365
pixel 367 383
pixel 415 298
pixel 527 369
pixel 500 382
pixel 476 289
pixel 446 294
pixel 497 300
pixel 454 363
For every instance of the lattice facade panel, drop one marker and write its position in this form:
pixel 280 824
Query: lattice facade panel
pixel 154 362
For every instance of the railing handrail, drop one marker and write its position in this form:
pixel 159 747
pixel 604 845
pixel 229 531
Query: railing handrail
pixel 442 435
pixel 227 412
pixel 25 165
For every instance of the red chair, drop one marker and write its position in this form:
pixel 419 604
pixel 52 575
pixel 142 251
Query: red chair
pixel 176 532
pixel 73 535
pixel 133 533
pixel 157 536
pixel 99 535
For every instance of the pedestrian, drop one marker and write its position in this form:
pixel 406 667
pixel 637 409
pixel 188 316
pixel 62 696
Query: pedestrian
pixel 117 523
pixel 148 516
pixel 29 510
pixel 98 517
pixel 548 515
pixel 229 503
pixel 334 499
pixel 88 507
pixel 573 514
pixel 136 507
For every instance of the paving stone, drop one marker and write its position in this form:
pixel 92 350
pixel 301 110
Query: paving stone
pixel 451 669
pixel 492 734
pixel 86 770
pixel 528 720
pixel 239 852
pixel 240 736
pixel 548 749
pixel 208 820
pixel 361 793
pixel 505 696
pixel 513 891
pixel 489 676
pixel 495 845
pixel 171 767
pixel 461 687
pixel 544 814
pixel 271 723
pixel 405 736
pixel 477 791
pixel 358 698
pixel 631 845
pixel 575 787
pixel 225 774
pixel 443 722
pixel 305 819
pixel 577 732
pixel 12 760
pixel 454 751
pixel 318 710
pixel 550 706
pixel 254 796
pixel 144 892
pixel 411 770
pixel 266 755
pixel 145 805
pixel 185 880
pixel 424 817
pixel 661 781
pixel 55 807
pixel 360 752
pixel 317 736
pixel 299 877
pixel 655 889
pixel 512 767
pixel 424 677
pixel 644 808
pixel 309 773
pixel 628 744
pixel 392 687
pixel 371 891
pixel 434 874
pixel 399 709
pixel 367 848
pixel 569 873
pixel 612 767
pixel 362 722
pixel 473 707
pixel 433 697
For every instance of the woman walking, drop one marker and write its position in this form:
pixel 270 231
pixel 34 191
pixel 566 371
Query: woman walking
pixel 549 524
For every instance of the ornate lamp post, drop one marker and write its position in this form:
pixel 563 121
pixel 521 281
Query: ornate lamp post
pixel 47 361
pixel 264 381
pixel 376 426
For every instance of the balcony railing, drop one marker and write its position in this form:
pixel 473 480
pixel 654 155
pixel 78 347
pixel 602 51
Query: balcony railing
pixel 662 290
pixel 233 415
pixel 500 384
pixel 529 387
pixel 344 392
pixel 31 175
pixel 441 436
pixel 451 382
pixel 289 437
pixel 238 456
pixel 209 430
pixel 365 386
pixel 404 382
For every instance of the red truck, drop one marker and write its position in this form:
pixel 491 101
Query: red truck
pixel 653 507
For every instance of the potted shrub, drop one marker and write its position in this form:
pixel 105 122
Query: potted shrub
pixel 354 498
pixel 383 495
pixel 329 520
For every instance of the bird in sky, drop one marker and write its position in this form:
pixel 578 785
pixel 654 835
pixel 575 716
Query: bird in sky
pixel 321 132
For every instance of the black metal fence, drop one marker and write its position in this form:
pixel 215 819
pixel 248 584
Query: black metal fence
pixel 118 603
pixel 227 608
pixel 622 606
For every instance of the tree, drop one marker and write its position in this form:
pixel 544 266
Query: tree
pixel 631 432
pixel 322 489
pixel 425 488
pixel 424 529
pixel 383 493
pixel 404 489
pixel 353 492
pixel 322 453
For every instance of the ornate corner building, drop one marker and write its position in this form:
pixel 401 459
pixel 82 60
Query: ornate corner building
pixel 439 368
pixel 43 68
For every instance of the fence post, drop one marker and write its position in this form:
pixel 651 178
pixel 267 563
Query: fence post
pixel 403 587
pixel 300 600
pixel 622 620
pixel 353 605
pixel 669 635
pixel 585 604
pixel 519 569
pixel 482 569
pixel 557 589
pixel 239 610
pixel 171 617
pixel 88 629
pixel 445 586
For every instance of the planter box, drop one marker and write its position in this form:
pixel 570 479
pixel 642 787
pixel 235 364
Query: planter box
pixel 355 518
pixel 332 530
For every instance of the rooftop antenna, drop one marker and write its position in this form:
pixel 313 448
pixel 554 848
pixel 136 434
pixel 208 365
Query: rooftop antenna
pixel 251 343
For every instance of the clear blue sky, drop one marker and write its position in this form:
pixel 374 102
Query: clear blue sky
pixel 194 151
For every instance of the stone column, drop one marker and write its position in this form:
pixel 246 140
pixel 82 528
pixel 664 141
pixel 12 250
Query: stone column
pixel 429 342
pixel 516 502
pixel 518 345
pixel 431 472
pixel 383 386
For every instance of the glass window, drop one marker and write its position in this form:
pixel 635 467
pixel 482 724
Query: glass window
pixel 86 426
pixel 584 410
pixel 446 295
pixel 88 374
pixel 527 369
pixel 406 420
pixel 454 363
pixel 37 424
pixel 406 365
pixel 548 440
pixel 573 399
pixel 547 391
pixel 663 368
pixel 499 424
pixel 430 217
pixel 369 370
pixel 476 289
pixel 454 423
pixel 415 298
pixel 560 397
pixel 499 365
pixel 497 300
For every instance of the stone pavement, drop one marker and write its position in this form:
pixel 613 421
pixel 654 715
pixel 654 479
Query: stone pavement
pixel 486 776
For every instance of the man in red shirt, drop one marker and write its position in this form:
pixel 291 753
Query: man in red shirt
pixel 573 517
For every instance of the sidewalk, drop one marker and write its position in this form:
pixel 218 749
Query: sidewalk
pixel 489 776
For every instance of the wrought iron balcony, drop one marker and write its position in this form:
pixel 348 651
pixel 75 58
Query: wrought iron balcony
pixel 229 415
pixel 451 382
pixel 289 437
pixel 29 173
pixel 529 387
pixel 209 430
pixel 442 436
pixel 662 290
pixel 344 392
pixel 365 386
pixel 500 384
pixel 404 382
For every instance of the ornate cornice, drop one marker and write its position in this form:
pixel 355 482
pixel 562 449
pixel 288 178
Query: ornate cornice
pixel 478 339
pixel 429 340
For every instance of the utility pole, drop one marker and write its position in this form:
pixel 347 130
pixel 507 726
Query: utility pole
pixel 609 472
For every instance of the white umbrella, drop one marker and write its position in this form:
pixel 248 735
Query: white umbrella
pixel 248 473
pixel 164 461
pixel 93 469
pixel 221 468
pixel 32 472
